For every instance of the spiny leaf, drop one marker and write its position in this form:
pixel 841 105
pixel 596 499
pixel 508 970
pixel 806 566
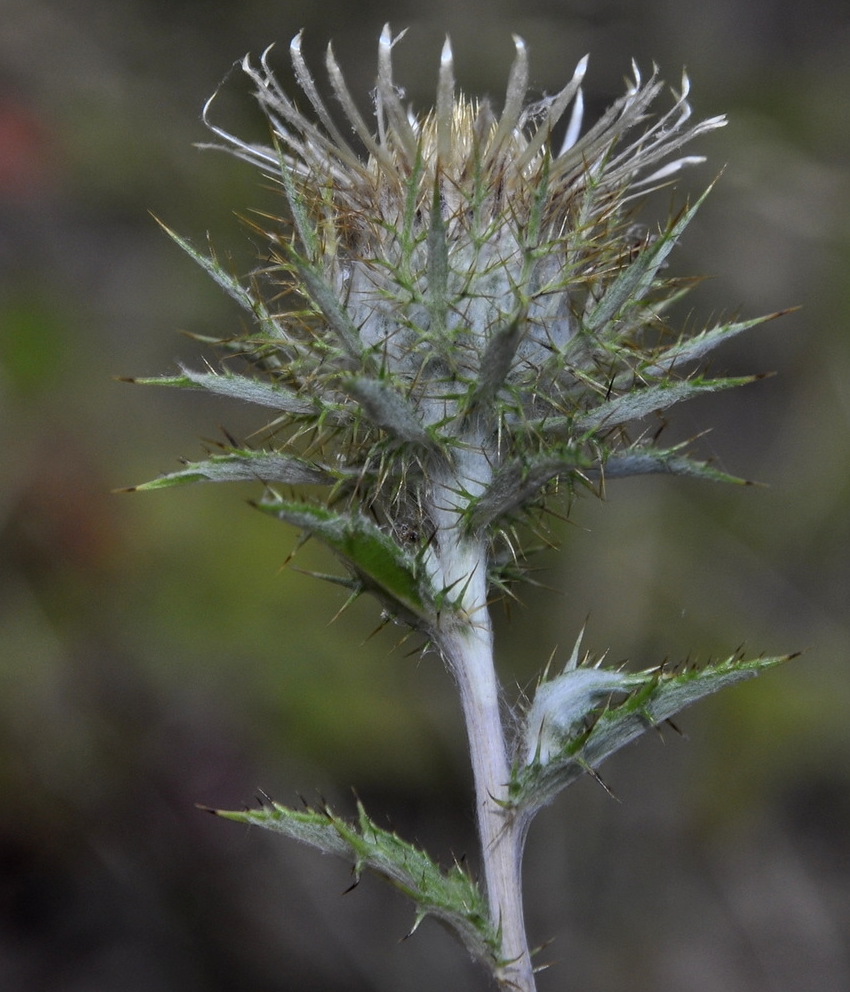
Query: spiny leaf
pixel 631 285
pixel 327 301
pixel 243 466
pixel 497 359
pixel 388 409
pixel 694 348
pixel 641 402
pixel 520 480
pixel 655 696
pixel 239 387
pixel 438 265
pixel 661 461
pixel 383 566
pixel 410 233
pixel 450 896
pixel 561 704
pixel 229 283
pixel 299 208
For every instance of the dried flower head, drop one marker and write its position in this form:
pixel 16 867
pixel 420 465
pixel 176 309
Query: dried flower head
pixel 457 313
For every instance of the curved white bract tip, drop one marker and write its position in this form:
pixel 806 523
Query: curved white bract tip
pixel 446 55
pixel 574 126
pixel 581 68
pixel 445 102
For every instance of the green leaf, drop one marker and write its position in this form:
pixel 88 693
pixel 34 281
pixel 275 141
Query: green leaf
pixel 451 896
pixel 230 284
pixel 497 359
pixel 244 466
pixel 694 348
pixel 300 210
pixel 630 287
pixel 388 409
pixel 438 266
pixel 383 567
pixel 651 697
pixel 239 387
pixel 661 461
pixel 521 480
pixel 641 402
pixel 327 300
pixel 561 705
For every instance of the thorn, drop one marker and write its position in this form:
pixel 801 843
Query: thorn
pixel 231 440
pixel 537 950
pixel 595 775
pixel 354 595
pixel 419 918
pixel 351 887
pixel 545 674
pixel 384 621
pixel 572 661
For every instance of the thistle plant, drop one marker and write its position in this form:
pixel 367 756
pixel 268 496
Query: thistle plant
pixel 457 322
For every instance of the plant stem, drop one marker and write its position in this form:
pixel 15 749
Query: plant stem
pixel 469 651
pixel 465 639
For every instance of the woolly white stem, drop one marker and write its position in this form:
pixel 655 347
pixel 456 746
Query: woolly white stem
pixel 465 639
pixel 469 652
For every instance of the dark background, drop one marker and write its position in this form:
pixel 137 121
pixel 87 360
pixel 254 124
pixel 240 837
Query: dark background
pixel 153 654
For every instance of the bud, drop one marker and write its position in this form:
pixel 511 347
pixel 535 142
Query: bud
pixel 458 313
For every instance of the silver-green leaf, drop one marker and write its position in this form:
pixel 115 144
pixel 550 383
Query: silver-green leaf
pixel 244 466
pixel 450 896
pixel 610 721
pixel 381 565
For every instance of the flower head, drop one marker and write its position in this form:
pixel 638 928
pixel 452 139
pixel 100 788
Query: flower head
pixel 458 312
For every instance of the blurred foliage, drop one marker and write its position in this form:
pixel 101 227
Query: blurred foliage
pixel 155 654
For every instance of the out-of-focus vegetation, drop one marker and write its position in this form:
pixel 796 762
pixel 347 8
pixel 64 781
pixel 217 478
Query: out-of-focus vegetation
pixel 155 654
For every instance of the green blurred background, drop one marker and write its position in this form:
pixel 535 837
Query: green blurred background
pixel 154 653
